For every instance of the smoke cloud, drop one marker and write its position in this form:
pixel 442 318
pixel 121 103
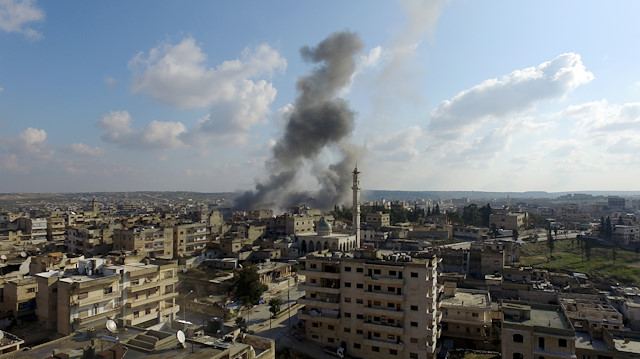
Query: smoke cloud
pixel 319 120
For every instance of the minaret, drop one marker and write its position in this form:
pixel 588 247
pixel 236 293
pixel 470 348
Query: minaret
pixel 94 205
pixel 356 204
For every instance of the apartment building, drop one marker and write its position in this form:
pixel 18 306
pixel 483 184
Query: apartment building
pixel 508 220
pixel 96 291
pixel 190 239
pixel 36 228
pixel 157 242
pixel 56 227
pixel 534 331
pixel 466 317
pixel 18 297
pixel 371 305
pixel 589 312
pixel 378 219
pixel 89 240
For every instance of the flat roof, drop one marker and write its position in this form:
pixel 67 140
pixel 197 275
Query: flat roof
pixel 542 318
pixel 468 299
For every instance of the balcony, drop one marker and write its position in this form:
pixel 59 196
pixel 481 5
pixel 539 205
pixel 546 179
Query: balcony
pixel 383 312
pixel 319 317
pixel 99 316
pixel 385 280
pixel 384 344
pixel 94 299
pixel 320 302
pixel 141 319
pixel 317 273
pixel 383 328
pixel 314 288
pixel 383 296
pixel 139 287
pixel 170 311
pixel 133 303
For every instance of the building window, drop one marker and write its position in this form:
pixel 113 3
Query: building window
pixel 518 356
pixel 541 343
pixel 108 290
pixel 347 330
pixel 314 324
pixel 376 271
pixel 414 340
pixel 356 346
pixel 347 284
pixel 347 315
pixel 413 355
pixel 518 338
pixel 414 324
pixel 359 285
pixel 562 343
pixel 359 316
pixel 330 340
pixel 359 331
pixel 331 327
pixel 475 315
pixel 359 270
pixel 393 352
pixel 358 301
pixel 414 307
pixel 375 349
pixel 347 269
pixel 347 300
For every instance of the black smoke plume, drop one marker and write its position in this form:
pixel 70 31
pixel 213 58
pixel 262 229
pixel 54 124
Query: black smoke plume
pixel 318 120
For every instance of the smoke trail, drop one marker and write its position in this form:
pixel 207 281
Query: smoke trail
pixel 318 120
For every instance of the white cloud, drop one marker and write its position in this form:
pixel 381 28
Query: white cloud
pixel 511 95
pixel 177 74
pixel 33 141
pixel 84 150
pixel 16 14
pixel 400 146
pixel 155 135
pixel 110 81
pixel 20 152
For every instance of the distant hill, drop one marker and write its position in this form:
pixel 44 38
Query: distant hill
pixel 372 195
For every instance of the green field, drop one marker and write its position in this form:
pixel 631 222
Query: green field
pixel 602 268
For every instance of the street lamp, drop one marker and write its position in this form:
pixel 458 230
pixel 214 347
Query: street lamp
pixel 184 308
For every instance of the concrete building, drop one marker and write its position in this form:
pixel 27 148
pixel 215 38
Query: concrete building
pixel 508 220
pixel 356 205
pixel 534 331
pixel 372 306
pixel 89 241
pixel 588 312
pixel 157 242
pixel 56 227
pixel 131 293
pixel 19 298
pixel 190 239
pixel 378 219
pixel 466 317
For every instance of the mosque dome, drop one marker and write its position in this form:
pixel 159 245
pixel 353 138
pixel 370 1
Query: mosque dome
pixel 323 228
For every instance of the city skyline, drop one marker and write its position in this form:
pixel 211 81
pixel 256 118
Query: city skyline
pixel 445 96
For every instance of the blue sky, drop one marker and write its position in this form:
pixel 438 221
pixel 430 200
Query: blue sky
pixel 458 95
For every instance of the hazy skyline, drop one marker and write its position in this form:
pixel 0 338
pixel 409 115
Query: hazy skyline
pixel 460 95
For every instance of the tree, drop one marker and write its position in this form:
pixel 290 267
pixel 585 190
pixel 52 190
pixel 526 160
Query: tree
pixel 602 228
pixel 471 215
pixel 515 235
pixel 436 211
pixel 247 286
pixel 608 229
pixel 454 217
pixel 485 214
pixel 620 221
pixel 551 242
pixel 274 306
pixel 241 323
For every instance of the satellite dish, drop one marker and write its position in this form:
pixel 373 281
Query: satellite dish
pixel 1 334
pixel 23 254
pixel 180 336
pixel 112 326
pixel 3 257
pixel 340 352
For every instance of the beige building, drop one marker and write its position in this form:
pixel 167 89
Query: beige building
pixel 157 242
pixel 89 240
pixel 19 297
pixel 508 220
pixel 466 317
pixel 56 227
pixel 190 239
pixel 132 293
pixel 534 331
pixel 378 219
pixel 372 306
